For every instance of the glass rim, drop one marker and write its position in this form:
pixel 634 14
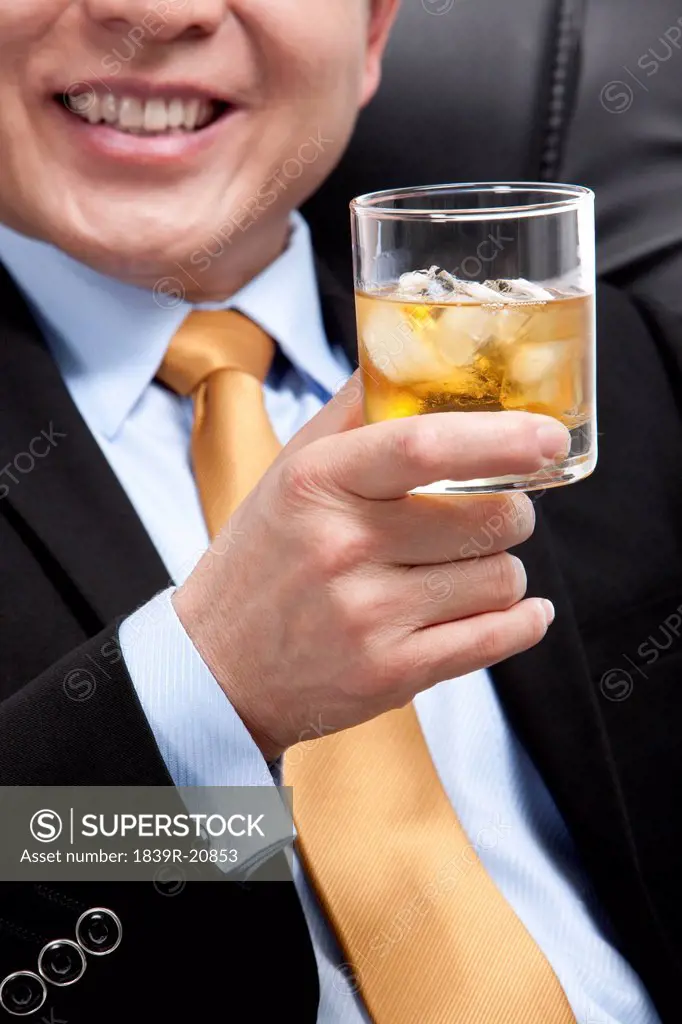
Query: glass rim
pixel 569 197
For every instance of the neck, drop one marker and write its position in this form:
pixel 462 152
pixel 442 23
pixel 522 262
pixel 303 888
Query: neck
pixel 220 268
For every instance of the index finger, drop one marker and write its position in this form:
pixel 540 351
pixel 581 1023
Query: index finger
pixel 386 460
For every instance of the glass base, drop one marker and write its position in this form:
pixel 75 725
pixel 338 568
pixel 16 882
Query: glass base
pixel 579 465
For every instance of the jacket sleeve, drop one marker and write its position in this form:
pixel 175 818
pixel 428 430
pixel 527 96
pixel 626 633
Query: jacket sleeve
pixel 80 723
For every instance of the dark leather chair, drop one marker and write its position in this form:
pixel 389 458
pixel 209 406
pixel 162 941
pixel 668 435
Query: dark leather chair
pixel 625 141
pixel 533 90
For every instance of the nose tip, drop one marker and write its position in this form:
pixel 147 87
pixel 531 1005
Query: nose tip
pixel 119 25
pixel 162 20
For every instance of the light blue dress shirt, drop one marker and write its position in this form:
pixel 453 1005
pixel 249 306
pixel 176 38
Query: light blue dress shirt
pixel 108 340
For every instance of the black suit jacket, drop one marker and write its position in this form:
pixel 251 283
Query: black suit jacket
pixel 74 558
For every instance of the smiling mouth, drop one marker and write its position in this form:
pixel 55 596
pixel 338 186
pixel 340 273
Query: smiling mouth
pixel 154 116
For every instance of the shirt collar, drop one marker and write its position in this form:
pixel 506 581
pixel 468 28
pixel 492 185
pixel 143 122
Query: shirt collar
pixel 109 338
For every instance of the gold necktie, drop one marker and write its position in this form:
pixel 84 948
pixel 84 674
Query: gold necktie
pixel 426 934
pixel 221 358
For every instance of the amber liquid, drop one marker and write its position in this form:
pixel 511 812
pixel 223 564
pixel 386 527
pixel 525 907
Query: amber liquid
pixel 420 357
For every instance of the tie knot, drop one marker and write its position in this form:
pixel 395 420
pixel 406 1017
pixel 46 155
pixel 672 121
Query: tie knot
pixel 211 340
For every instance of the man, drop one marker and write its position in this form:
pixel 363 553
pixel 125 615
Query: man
pixel 154 153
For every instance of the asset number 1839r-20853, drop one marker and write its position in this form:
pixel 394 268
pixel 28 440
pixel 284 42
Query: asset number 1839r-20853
pixel 193 856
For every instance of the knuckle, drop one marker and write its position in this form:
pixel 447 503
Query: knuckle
pixel 509 632
pixel 354 545
pixel 356 610
pixel 497 524
pixel 408 667
pixel 341 546
pixel 520 512
pixel 299 480
pixel 506 434
pixel 384 672
pixel 483 512
pixel 516 436
pixel 354 622
pixel 415 442
pixel 378 677
pixel 504 577
pixel 488 645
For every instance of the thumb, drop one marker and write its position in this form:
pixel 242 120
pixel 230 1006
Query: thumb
pixel 342 412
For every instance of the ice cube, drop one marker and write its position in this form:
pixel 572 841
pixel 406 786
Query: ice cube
pixel 447 280
pixel 482 292
pixel 462 331
pixel 519 288
pixel 543 378
pixel 513 323
pixel 414 285
pixel 534 362
pixel 573 282
pixel 434 283
pixel 401 346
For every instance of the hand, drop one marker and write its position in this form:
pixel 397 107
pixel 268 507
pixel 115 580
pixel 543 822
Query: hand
pixel 337 596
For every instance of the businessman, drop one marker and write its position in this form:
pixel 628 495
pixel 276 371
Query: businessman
pixel 213 575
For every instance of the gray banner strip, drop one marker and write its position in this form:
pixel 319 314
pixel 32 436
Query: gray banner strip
pixel 143 833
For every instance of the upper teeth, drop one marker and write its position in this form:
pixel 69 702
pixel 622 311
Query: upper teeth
pixel 130 114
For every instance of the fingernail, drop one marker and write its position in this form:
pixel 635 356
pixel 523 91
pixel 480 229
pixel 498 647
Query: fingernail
pixel 554 440
pixel 521 575
pixel 549 610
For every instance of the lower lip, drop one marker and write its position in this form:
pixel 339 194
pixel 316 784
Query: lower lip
pixel 156 150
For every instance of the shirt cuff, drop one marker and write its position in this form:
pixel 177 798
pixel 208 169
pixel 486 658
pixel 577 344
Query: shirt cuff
pixel 202 739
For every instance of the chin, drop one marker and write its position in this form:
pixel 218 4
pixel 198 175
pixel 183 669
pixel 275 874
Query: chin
pixel 133 245
pixel 142 234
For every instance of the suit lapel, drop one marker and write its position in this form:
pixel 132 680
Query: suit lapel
pixel 58 487
pixel 55 483
pixel 338 312
pixel 548 698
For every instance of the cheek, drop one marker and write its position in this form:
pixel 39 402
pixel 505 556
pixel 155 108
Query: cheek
pixel 313 75
pixel 31 36
pixel 25 21
pixel 306 47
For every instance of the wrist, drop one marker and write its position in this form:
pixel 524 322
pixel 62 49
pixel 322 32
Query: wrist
pixel 201 631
